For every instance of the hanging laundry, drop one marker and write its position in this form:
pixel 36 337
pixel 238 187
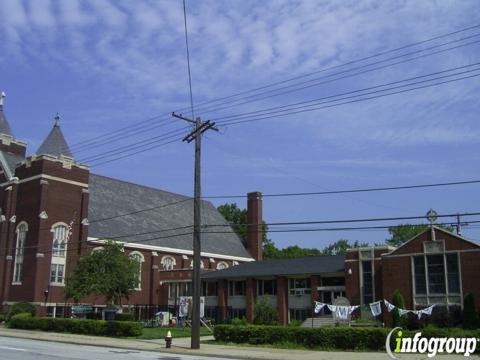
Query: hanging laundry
pixel 342 312
pixel 352 309
pixel 318 307
pixel 428 311
pixel 376 308
pixel 389 306
pixel 332 308
pixel 418 313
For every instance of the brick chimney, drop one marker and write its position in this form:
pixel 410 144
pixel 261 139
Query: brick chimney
pixel 255 225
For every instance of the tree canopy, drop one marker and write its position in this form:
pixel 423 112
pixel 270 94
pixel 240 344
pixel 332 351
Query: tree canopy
pixel 238 219
pixel 108 272
pixel 402 233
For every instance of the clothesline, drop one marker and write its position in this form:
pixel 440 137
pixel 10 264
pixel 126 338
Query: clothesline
pixel 342 312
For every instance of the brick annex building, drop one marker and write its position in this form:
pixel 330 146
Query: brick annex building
pixel 43 193
pixel 435 267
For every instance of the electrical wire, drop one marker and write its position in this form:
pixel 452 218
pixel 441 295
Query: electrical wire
pixel 346 191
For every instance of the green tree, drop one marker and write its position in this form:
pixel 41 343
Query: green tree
pixel 108 272
pixel 399 302
pixel 470 317
pixel 402 233
pixel 237 218
pixel 264 313
pixel 341 246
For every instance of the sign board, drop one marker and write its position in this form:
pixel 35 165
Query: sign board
pixel 185 306
pixel 82 309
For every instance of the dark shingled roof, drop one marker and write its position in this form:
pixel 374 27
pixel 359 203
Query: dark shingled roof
pixel 282 267
pixel 55 144
pixel 4 125
pixel 110 197
pixel 11 161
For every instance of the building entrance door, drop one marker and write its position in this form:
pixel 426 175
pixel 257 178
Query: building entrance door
pixel 328 297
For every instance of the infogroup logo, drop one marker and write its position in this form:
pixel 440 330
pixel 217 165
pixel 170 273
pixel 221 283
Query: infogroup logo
pixel 431 346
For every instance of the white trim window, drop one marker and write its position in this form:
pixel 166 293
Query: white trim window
pixel 168 262
pixel 299 286
pixel 22 230
pixel 222 265
pixel 59 240
pixel 202 265
pixel 138 256
pixel 59 254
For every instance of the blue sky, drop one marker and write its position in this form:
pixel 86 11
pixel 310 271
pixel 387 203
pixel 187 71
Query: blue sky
pixel 106 64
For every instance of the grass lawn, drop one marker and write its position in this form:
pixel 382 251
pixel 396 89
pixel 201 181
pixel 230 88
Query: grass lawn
pixel 160 333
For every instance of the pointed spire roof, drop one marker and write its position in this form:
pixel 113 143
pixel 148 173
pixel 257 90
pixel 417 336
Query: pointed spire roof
pixel 4 125
pixel 55 143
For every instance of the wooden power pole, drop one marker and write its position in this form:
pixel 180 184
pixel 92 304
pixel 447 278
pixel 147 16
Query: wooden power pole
pixel 196 134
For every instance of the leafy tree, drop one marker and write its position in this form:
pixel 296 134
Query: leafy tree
pixel 264 313
pixel 399 302
pixel 108 272
pixel 402 233
pixel 341 246
pixel 237 219
pixel 470 317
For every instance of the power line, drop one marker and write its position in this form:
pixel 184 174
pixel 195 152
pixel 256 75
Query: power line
pixel 331 192
pixel 349 228
pixel 341 95
pixel 149 120
pixel 341 221
pixel 342 65
pixel 146 142
pixel 297 87
pixel 313 107
pixel 288 113
pixel 329 229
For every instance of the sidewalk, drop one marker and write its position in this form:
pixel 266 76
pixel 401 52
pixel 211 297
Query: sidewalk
pixel 182 346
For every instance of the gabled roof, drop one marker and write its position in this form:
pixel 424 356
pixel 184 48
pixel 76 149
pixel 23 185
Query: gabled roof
pixel 9 162
pixel 55 143
pixel 4 125
pixel 429 229
pixel 110 198
pixel 282 267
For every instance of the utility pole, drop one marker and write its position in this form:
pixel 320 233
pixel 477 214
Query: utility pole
pixel 459 225
pixel 196 134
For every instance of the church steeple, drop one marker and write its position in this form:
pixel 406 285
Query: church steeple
pixel 4 125
pixel 55 143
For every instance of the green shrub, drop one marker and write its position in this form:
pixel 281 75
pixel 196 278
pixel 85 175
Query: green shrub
pixel 238 322
pixel 399 302
pixel 326 338
pixel 264 313
pixel 76 326
pixel 2 318
pixel 344 338
pixel 19 308
pixel 470 317
pixel 295 323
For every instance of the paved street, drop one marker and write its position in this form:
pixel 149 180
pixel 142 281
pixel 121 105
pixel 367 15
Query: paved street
pixel 24 349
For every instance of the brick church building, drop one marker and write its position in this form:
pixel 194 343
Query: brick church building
pixel 45 194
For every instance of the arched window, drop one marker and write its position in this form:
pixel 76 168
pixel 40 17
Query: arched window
pixel 22 229
pixel 168 262
pixel 222 265
pixel 202 265
pixel 59 240
pixel 138 256
pixel 59 252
